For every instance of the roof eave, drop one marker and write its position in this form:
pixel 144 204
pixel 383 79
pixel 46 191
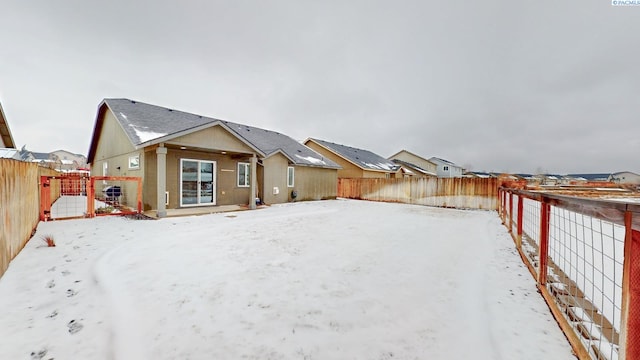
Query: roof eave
pixel 4 124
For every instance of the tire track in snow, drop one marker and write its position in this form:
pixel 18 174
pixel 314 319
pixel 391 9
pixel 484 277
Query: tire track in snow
pixel 126 337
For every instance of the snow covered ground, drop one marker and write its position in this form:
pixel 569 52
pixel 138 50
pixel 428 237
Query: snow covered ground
pixel 313 280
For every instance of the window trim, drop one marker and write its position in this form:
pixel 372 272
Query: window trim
pixel 136 158
pixel 247 175
pixel 291 175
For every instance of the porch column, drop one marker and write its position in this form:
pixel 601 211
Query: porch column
pixel 253 182
pixel 161 152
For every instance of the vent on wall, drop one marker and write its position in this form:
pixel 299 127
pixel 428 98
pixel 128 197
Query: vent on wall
pixel 166 198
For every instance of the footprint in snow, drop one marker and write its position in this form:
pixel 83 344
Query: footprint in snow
pixel 74 326
pixel 51 284
pixel 71 292
pixel 66 272
pixel 53 314
pixel 39 354
pixel 52 269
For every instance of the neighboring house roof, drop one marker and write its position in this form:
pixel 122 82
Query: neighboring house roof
pixel 408 152
pixel 443 161
pixel 364 159
pixel 147 125
pixel 480 174
pixel 6 153
pixel 5 132
pixel 41 156
pixel 413 167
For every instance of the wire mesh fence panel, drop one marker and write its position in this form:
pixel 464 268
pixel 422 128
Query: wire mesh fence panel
pixel 514 217
pixel 115 197
pixel 531 231
pixel 585 269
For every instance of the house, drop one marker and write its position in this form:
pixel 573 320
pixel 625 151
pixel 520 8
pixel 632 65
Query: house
pixel 589 177
pixel 484 175
pixel 42 159
pixel 447 169
pixel 625 177
pixel 7 145
pixel 187 160
pixel 354 162
pixel 414 165
pixel 69 160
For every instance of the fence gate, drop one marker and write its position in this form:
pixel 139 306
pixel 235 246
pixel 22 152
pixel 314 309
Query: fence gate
pixel 82 196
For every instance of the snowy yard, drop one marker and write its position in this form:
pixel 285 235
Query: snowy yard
pixel 313 280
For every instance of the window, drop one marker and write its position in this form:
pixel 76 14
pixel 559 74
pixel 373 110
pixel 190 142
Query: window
pixel 134 162
pixel 445 168
pixel 290 176
pixel 244 171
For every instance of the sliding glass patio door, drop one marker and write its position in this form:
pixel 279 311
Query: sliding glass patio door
pixel 197 182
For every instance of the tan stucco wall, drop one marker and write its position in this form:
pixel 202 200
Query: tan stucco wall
pixel 275 175
pixel 313 183
pixel 114 148
pixel 215 137
pixel 227 191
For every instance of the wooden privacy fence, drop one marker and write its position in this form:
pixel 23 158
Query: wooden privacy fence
pixel 19 206
pixel 585 256
pixel 462 193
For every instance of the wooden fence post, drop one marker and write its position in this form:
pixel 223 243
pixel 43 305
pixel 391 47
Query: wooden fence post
pixel 544 243
pixel 630 319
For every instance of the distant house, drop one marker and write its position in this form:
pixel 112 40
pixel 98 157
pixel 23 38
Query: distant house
pixel 66 158
pixel 414 165
pixel 447 169
pixel 589 177
pixel 7 145
pixel 625 177
pixel 354 162
pixel 188 160
pixel 484 175
pixel 42 159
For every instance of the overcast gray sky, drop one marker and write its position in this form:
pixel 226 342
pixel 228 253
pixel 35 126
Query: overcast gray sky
pixel 495 85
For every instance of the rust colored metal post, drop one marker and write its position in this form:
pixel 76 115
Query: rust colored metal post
pixel 45 198
pixel 91 195
pixel 510 212
pixel 544 243
pixel 520 219
pixel 139 195
pixel 630 321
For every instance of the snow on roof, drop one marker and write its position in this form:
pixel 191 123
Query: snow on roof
pixel 311 159
pixel 145 136
pixel 144 122
pixel 6 153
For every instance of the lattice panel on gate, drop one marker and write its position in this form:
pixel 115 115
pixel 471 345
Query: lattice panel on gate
pixel 63 197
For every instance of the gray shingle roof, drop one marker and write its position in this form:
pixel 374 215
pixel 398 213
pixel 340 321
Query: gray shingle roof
pixel 145 123
pixel 363 158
